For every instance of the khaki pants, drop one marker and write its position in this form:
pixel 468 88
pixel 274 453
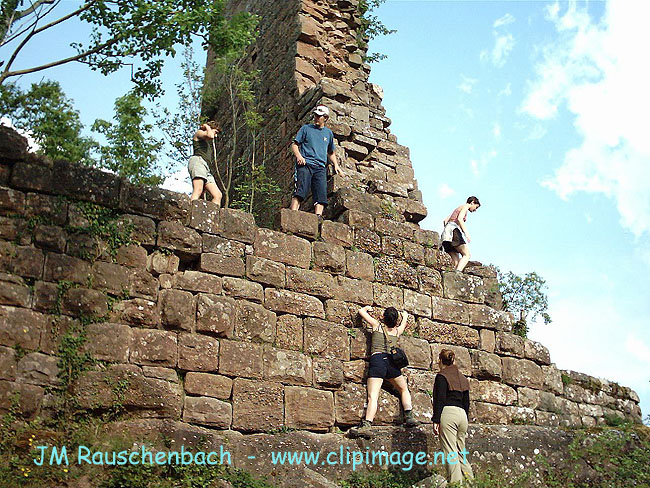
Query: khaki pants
pixel 453 430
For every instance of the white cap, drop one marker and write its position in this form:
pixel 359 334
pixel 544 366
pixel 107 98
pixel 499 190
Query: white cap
pixel 322 110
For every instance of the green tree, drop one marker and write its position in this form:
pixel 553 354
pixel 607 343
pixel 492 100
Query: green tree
pixel 50 118
pixel 525 297
pixel 123 32
pixel 131 151
pixel 370 28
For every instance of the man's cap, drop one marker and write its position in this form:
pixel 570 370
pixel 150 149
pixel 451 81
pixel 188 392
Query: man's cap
pixel 322 110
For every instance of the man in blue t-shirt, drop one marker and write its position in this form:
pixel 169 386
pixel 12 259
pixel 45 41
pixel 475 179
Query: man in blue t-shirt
pixel 313 146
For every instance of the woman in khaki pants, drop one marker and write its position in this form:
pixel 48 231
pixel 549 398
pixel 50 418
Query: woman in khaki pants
pixel 450 410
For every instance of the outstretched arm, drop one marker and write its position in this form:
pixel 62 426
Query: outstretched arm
pixel 367 317
pixel 402 326
pixel 204 132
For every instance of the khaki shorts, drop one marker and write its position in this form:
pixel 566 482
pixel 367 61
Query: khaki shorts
pixel 198 168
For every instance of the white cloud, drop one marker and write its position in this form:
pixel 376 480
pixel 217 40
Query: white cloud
pixel 507 91
pixel 536 133
pixel 597 71
pixel 445 191
pixel 505 20
pixel 637 348
pixel 496 130
pixel 479 165
pixel 467 84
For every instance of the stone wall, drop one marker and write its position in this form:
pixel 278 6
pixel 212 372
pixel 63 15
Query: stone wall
pixel 307 54
pixel 208 319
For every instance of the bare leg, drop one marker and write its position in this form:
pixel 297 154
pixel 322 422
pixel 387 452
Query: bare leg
pixel 455 257
pixel 197 188
pixel 215 192
pixel 400 384
pixel 318 208
pixel 295 203
pixel 374 385
pixel 464 250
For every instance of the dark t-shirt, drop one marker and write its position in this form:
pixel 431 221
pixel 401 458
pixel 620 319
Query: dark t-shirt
pixel 444 397
pixel 315 144
pixel 204 149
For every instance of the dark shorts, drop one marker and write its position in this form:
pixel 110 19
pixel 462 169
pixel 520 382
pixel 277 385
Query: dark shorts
pixel 382 367
pixel 456 240
pixel 312 178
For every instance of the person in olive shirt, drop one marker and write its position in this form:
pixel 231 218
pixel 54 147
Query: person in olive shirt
pixel 382 368
pixel 450 412
pixel 202 160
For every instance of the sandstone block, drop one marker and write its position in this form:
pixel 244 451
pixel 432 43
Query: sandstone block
pixel 216 314
pixel 178 309
pixel 288 332
pixel 59 267
pixel 132 256
pixel 257 405
pixel 358 220
pixel 492 392
pixel 303 224
pixel 242 288
pixel 204 216
pixel 154 202
pixel 350 404
pixel 14 291
pixel 395 272
pixel 484 316
pixel 288 367
pixel 238 225
pixel 206 384
pixel 311 282
pixel 329 257
pixel 221 264
pixel 174 236
pixel 242 359
pixel 392 228
pixel 265 271
pixel 366 240
pixel 326 340
pixel 108 342
pixel 223 246
pixel 207 411
pixel 154 347
pixel 447 333
pixel 427 238
pixel 360 265
pixel 460 286
pixel 161 263
pixel 12 201
pixel 7 363
pixel 486 365
pixel 413 253
pixel 449 311
pixel 337 233
pixel 487 340
pixel 50 237
pixel 553 420
pixel 158 372
pixel 522 372
pixel 537 352
pixel 417 303
pixel 350 290
pixel 283 248
pixel 527 397
pixel 489 413
pixel 553 379
pixel 328 373
pixel 294 303
pixel 388 296
pixel 360 344
pixel 28 397
pixel 142 229
pixel 138 311
pixel 430 281
pixel 254 323
pixel 21 327
pixel 38 369
pixel 84 302
pixel 510 344
pixel 547 402
pixel 418 352
pixel 28 262
pixel 143 284
pixel 523 415
pixel 355 371
pixel 197 281
pixel 197 352
pixel 342 313
pixel 307 408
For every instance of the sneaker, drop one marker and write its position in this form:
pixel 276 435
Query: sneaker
pixel 364 429
pixel 409 421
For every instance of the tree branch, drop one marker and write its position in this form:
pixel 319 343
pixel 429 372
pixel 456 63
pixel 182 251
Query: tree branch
pixel 8 74
pixel 33 8
pixel 41 29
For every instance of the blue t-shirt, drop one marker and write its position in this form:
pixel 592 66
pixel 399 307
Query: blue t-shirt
pixel 315 144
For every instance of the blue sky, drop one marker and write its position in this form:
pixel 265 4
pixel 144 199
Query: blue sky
pixel 538 108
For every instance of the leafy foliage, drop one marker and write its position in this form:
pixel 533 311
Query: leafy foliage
pixel 524 296
pixel 124 32
pixel 131 152
pixel 371 27
pixel 50 118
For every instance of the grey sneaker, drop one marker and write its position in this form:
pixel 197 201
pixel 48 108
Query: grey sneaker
pixel 364 429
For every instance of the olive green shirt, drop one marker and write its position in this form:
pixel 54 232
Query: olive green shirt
pixel 204 149
pixel 379 343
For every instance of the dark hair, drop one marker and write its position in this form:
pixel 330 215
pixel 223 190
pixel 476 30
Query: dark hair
pixel 447 357
pixel 390 317
pixel 214 125
pixel 474 200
